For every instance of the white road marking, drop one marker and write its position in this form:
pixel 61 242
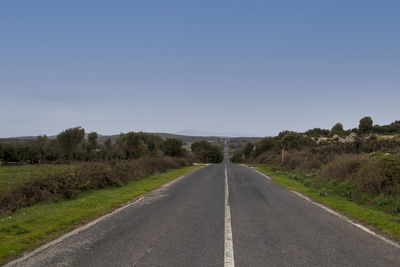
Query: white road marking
pixel 228 255
pixel 388 241
pixel 254 169
pixel 365 229
pixel 73 232
pixel 269 178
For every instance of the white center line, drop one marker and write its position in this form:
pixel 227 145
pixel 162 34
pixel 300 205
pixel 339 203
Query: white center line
pixel 228 256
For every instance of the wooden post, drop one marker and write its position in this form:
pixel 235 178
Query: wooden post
pixel 283 156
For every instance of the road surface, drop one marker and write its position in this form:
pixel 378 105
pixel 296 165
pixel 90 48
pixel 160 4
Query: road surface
pixel 213 218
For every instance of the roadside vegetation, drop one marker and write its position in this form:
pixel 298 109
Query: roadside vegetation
pixel 360 165
pixel 207 152
pixel 11 176
pixel 48 186
pixel 69 183
pixel 30 227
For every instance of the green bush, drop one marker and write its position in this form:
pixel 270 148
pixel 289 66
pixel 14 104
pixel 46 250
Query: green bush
pixel 66 184
pixel 207 152
pixel 344 166
pixel 172 147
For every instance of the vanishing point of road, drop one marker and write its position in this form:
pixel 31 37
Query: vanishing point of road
pixel 220 215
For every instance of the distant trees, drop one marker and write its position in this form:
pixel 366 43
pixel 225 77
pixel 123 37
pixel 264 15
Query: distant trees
pixel 70 139
pixel 392 128
pixel 365 125
pixel 71 144
pixel 1 152
pixel 133 145
pixel 337 129
pixel 264 145
pixel 248 149
pixel 207 152
pixel 107 150
pixel 92 141
pixel 172 147
pixel 293 140
pixel 317 132
pixel 364 139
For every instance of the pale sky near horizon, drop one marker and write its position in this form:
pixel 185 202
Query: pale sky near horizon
pixel 239 67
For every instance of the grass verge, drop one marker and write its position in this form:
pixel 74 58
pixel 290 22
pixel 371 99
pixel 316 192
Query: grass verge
pixel 30 227
pixel 385 222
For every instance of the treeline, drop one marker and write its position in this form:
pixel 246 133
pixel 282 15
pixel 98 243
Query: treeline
pixel 363 164
pixel 71 145
pixel 366 126
pixel 366 138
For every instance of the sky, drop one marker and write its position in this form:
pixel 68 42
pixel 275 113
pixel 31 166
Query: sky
pixel 250 68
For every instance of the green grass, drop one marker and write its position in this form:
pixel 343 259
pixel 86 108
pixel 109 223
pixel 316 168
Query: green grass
pixel 13 175
pixel 28 228
pixel 385 222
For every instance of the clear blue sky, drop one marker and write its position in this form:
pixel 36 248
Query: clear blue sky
pixel 247 67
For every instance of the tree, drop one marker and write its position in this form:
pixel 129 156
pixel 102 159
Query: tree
pixel 292 140
pixel 92 141
pixel 10 154
pixel 337 129
pixel 248 149
pixel 365 125
pixel 70 139
pixel 237 157
pixel 207 152
pixel 264 145
pixel 134 146
pixel 1 152
pixel 92 145
pixel 317 132
pixel 107 149
pixel 172 147
pixel 153 142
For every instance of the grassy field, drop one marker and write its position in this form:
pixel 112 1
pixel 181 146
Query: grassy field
pixel 28 228
pixel 13 175
pixel 369 215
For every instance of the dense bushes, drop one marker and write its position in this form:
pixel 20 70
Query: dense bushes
pixel 172 147
pixel 207 152
pixel 344 166
pixel 380 175
pixel 363 162
pixel 68 183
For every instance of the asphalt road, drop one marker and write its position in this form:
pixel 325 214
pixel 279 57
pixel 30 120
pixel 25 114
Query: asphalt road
pixel 185 224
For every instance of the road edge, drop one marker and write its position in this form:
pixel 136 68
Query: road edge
pixel 374 232
pixel 78 229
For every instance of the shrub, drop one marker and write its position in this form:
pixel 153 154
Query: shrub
pixel 172 147
pixel 305 160
pixel 207 152
pixel 344 166
pixel 270 157
pixel 380 175
pixel 68 183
